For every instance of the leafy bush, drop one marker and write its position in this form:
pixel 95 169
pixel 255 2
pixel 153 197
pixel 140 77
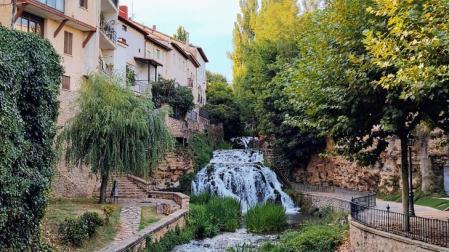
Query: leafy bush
pixel 178 97
pixel 266 218
pixel 73 231
pixel 201 222
pixel 202 149
pixel 185 183
pixel 108 211
pixel 92 221
pixel 170 240
pixel 76 230
pixel 30 75
pixel 200 199
pixel 314 238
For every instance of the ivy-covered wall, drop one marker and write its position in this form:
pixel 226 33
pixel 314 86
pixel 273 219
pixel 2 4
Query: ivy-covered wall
pixel 30 74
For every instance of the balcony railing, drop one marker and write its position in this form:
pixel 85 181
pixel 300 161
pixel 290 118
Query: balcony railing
pixel 141 87
pixel 107 27
pixel 55 4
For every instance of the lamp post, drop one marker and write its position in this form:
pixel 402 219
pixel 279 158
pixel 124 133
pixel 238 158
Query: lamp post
pixel 410 143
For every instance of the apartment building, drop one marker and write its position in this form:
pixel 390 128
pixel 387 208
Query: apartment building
pixel 75 30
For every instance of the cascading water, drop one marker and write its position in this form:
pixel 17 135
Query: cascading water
pixel 240 174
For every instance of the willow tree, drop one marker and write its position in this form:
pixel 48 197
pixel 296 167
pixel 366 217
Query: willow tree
pixel 114 131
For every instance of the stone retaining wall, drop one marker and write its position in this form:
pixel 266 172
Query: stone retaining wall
pixel 364 238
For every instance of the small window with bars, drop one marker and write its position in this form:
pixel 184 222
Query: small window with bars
pixel 66 82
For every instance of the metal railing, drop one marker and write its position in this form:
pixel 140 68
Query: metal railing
pixel 141 86
pixel 432 231
pixel 107 27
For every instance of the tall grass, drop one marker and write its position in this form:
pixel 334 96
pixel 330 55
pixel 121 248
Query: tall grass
pixel 267 218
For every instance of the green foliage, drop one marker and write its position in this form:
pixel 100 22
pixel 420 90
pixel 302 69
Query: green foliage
pixel 267 218
pixel 224 106
pixel 30 75
pixel 178 97
pixel 185 183
pixel 201 148
pixel 209 215
pixel 318 234
pixel 115 131
pixel 314 238
pixel 75 231
pixel 92 221
pixel 181 34
pixel 215 77
pixel 130 76
pixel 108 211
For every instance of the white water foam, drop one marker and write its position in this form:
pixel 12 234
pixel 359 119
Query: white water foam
pixel 240 174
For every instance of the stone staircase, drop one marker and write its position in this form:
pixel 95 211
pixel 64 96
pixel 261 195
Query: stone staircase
pixel 127 189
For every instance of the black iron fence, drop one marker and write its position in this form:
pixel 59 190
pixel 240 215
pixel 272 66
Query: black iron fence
pixel 432 231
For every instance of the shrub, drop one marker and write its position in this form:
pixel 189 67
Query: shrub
pixel 108 211
pixel 92 221
pixel 266 218
pixel 314 238
pixel 185 183
pixel 170 240
pixel 73 231
pixel 178 97
pixel 201 222
pixel 30 75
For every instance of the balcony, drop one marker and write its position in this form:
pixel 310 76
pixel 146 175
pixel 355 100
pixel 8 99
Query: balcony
pixel 108 38
pixel 55 4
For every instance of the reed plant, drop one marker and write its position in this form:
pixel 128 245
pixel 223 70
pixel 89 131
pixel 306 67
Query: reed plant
pixel 266 218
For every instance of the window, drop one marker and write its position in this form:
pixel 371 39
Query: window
pixel 159 54
pixel 124 27
pixel 83 4
pixel 30 23
pixel 68 42
pixel 66 82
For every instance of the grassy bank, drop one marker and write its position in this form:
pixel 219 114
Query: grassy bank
pixel 148 216
pixel 60 210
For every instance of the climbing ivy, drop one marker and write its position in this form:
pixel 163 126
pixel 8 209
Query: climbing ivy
pixel 30 74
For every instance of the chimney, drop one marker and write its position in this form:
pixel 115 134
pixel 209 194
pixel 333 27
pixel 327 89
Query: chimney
pixel 154 28
pixel 123 11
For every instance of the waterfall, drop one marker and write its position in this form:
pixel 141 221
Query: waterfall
pixel 240 174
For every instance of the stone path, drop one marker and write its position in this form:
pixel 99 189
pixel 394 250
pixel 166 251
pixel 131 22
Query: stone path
pixel 129 222
pixel 130 215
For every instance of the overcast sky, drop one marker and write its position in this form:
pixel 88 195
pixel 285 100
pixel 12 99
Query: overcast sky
pixel 209 22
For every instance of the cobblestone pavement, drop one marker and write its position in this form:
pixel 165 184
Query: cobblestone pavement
pixel 130 215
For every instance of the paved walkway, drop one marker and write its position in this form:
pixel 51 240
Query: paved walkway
pixel 421 211
pixel 130 216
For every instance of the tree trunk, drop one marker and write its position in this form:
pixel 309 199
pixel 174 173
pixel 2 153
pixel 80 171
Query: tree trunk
pixel 405 185
pixel 425 165
pixel 103 188
pixel 13 13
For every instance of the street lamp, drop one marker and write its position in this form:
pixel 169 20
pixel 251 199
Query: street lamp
pixel 410 143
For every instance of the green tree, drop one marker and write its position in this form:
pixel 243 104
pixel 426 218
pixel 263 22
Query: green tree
pixel 114 132
pixel 169 92
pixel 181 34
pixel 215 77
pixel 223 106
pixel 30 75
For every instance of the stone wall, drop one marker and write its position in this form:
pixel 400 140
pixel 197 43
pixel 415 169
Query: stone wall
pixel 170 170
pixel 430 156
pixel 320 201
pixel 364 238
